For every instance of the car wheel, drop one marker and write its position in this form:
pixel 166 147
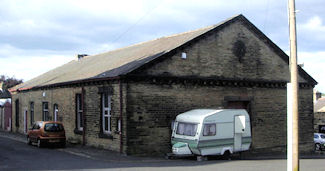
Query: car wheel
pixel 28 141
pixel 317 147
pixel 39 143
pixel 63 144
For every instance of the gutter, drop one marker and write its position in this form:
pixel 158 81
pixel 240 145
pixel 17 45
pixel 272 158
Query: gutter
pixel 65 83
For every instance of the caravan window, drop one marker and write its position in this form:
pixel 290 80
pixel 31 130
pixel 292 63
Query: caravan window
pixel 188 129
pixel 209 130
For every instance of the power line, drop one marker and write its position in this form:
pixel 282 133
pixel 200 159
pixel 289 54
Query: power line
pixel 138 21
pixel 266 16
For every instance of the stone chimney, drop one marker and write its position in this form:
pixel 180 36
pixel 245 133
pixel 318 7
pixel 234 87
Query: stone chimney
pixel 317 95
pixel 80 56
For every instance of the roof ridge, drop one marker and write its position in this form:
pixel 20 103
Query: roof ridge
pixel 178 34
pixel 169 36
pixel 121 48
pixel 147 41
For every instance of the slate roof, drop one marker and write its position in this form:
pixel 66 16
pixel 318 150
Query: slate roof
pixel 113 63
pixel 319 106
pixel 124 60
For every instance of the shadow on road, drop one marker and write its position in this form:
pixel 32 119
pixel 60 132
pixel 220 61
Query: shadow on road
pixel 17 155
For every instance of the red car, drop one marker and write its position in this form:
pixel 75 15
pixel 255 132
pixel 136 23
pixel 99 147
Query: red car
pixel 46 132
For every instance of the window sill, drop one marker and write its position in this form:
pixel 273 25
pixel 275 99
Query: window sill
pixel 117 132
pixel 77 131
pixel 106 136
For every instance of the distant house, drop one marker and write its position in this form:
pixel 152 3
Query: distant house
pixel 317 95
pixel 126 99
pixel 5 108
pixel 319 105
pixel 319 115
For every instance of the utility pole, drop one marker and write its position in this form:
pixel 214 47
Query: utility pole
pixel 293 118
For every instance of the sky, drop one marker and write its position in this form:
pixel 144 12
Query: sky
pixel 39 35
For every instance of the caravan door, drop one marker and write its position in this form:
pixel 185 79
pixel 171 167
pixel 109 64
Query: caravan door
pixel 239 130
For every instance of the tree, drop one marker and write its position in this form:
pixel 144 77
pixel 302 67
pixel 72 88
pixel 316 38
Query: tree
pixel 9 82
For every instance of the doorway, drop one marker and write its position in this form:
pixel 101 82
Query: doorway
pixel 236 102
pixel 238 105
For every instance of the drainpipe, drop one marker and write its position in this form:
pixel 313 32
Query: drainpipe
pixel 83 116
pixel 121 118
pixel 10 121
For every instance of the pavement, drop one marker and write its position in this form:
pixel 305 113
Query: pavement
pixel 112 156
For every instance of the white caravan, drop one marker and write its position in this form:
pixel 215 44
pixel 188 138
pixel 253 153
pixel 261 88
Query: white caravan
pixel 206 132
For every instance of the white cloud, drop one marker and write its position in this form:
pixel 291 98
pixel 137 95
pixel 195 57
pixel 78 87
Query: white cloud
pixel 315 23
pixel 313 31
pixel 28 68
pixel 7 50
pixel 314 65
pixel 27 64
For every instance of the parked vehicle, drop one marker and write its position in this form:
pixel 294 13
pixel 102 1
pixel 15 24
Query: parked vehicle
pixel 46 132
pixel 319 140
pixel 204 132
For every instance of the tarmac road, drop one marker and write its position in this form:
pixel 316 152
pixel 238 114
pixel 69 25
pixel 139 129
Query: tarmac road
pixel 15 154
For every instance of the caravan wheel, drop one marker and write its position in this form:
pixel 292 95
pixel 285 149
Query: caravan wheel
pixel 201 158
pixel 226 155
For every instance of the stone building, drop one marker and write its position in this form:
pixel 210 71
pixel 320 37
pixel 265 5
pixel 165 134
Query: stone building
pixel 319 115
pixel 5 108
pixel 126 99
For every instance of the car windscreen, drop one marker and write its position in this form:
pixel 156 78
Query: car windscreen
pixel 53 127
pixel 188 129
pixel 322 136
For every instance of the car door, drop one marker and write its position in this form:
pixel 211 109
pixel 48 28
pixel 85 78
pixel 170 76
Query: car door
pixel 35 131
pixel 31 132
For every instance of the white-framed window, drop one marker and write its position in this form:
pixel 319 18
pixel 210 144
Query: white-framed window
pixel 119 126
pixel 31 113
pixel 46 116
pixel 55 111
pixel 79 111
pixel 106 113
